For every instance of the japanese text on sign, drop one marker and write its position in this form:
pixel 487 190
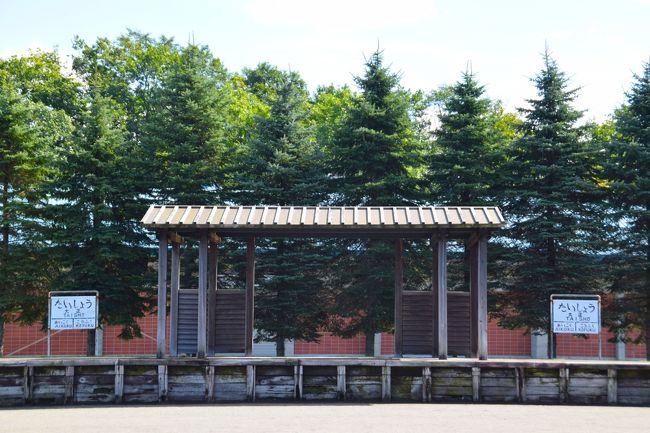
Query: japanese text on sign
pixel 576 316
pixel 73 312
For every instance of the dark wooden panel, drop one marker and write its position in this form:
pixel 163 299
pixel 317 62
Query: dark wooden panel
pixel 458 323
pixel 188 302
pixel 230 322
pixel 417 323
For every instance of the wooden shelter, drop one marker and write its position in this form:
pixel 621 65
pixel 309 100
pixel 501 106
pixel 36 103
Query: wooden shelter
pixel 208 321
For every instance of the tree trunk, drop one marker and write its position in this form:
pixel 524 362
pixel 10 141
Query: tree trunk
pixel 2 333
pixel 91 342
pixel 647 296
pixel 279 346
pixel 370 343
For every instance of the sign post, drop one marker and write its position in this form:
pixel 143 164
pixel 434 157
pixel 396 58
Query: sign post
pixel 71 309
pixel 576 314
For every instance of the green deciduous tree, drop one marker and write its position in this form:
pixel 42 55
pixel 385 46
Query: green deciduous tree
pixel 33 124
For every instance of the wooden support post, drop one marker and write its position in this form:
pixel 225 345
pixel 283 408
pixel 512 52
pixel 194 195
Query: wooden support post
pixel 612 386
pixel 385 383
pixel 297 382
pixel 119 382
pixel 162 294
pixel 173 301
pixel 563 385
pixel 478 298
pixel 440 293
pixel 426 384
pixel 250 382
pixel 473 299
pixel 28 384
pixel 213 253
pixel 69 385
pixel 209 382
pixel 434 296
pixel 476 384
pixel 250 294
pixel 482 299
pixel 201 339
pixel 340 382
pixel 162 382
pixel 520 383
pixel 399 293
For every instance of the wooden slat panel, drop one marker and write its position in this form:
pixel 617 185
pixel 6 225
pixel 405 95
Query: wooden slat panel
pixel 188 303
pixel 459 324
pixel 230 322
pixel 417 326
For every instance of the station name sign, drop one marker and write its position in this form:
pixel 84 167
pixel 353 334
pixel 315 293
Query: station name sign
pixel 576 316
pixel 73 311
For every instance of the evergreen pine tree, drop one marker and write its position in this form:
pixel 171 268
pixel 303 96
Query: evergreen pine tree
pixel 375 160
pixel 629 171
pixel 94 201
pixel 283 166
pixel 184 139
pixel 552 205
pixel 464 164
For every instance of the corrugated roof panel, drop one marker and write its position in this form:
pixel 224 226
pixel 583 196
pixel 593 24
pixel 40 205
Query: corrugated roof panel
pixel 202 215
pixel 348 215
pixel 283 215
pixel 380 217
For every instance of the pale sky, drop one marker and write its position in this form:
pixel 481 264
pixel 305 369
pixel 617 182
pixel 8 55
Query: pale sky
pixel 598 43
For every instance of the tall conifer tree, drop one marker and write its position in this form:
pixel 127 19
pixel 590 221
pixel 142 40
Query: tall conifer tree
pixel 283 166
pixel 375 160
pixel 551 203
pixel 629 169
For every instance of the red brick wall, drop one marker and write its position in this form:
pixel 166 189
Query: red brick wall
pixel 22 340
pixel 633 351
pixel 30 340
pixel 331 345
pixel 506 342
pixel 571 345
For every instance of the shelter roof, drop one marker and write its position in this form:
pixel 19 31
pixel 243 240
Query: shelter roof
pixel 322 219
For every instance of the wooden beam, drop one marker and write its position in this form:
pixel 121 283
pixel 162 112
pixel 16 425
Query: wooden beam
pixel 440 286
pixel 173 302
pixel 340 382
pixel 69 385
pixel 385 383
pixel 250 294
pixel 434 296
pixel 399 293
pixel 119 382
pixel 162 295
pixel 250 382
pixel 213 254
pixel 162 383
pixel 473 299
pixel 209 382
pixel 214 238
pixel 612 386
pixel 426 384
pixel 28 384
pixel 174 238
pixel 476 384
pixel 297 382
pixel 201 339
pixel 482 298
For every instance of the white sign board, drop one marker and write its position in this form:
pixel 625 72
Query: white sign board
pixel 576 316
pixel 73 312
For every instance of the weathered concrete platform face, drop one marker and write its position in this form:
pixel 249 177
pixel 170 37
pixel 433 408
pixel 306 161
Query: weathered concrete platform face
pixel 148 380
